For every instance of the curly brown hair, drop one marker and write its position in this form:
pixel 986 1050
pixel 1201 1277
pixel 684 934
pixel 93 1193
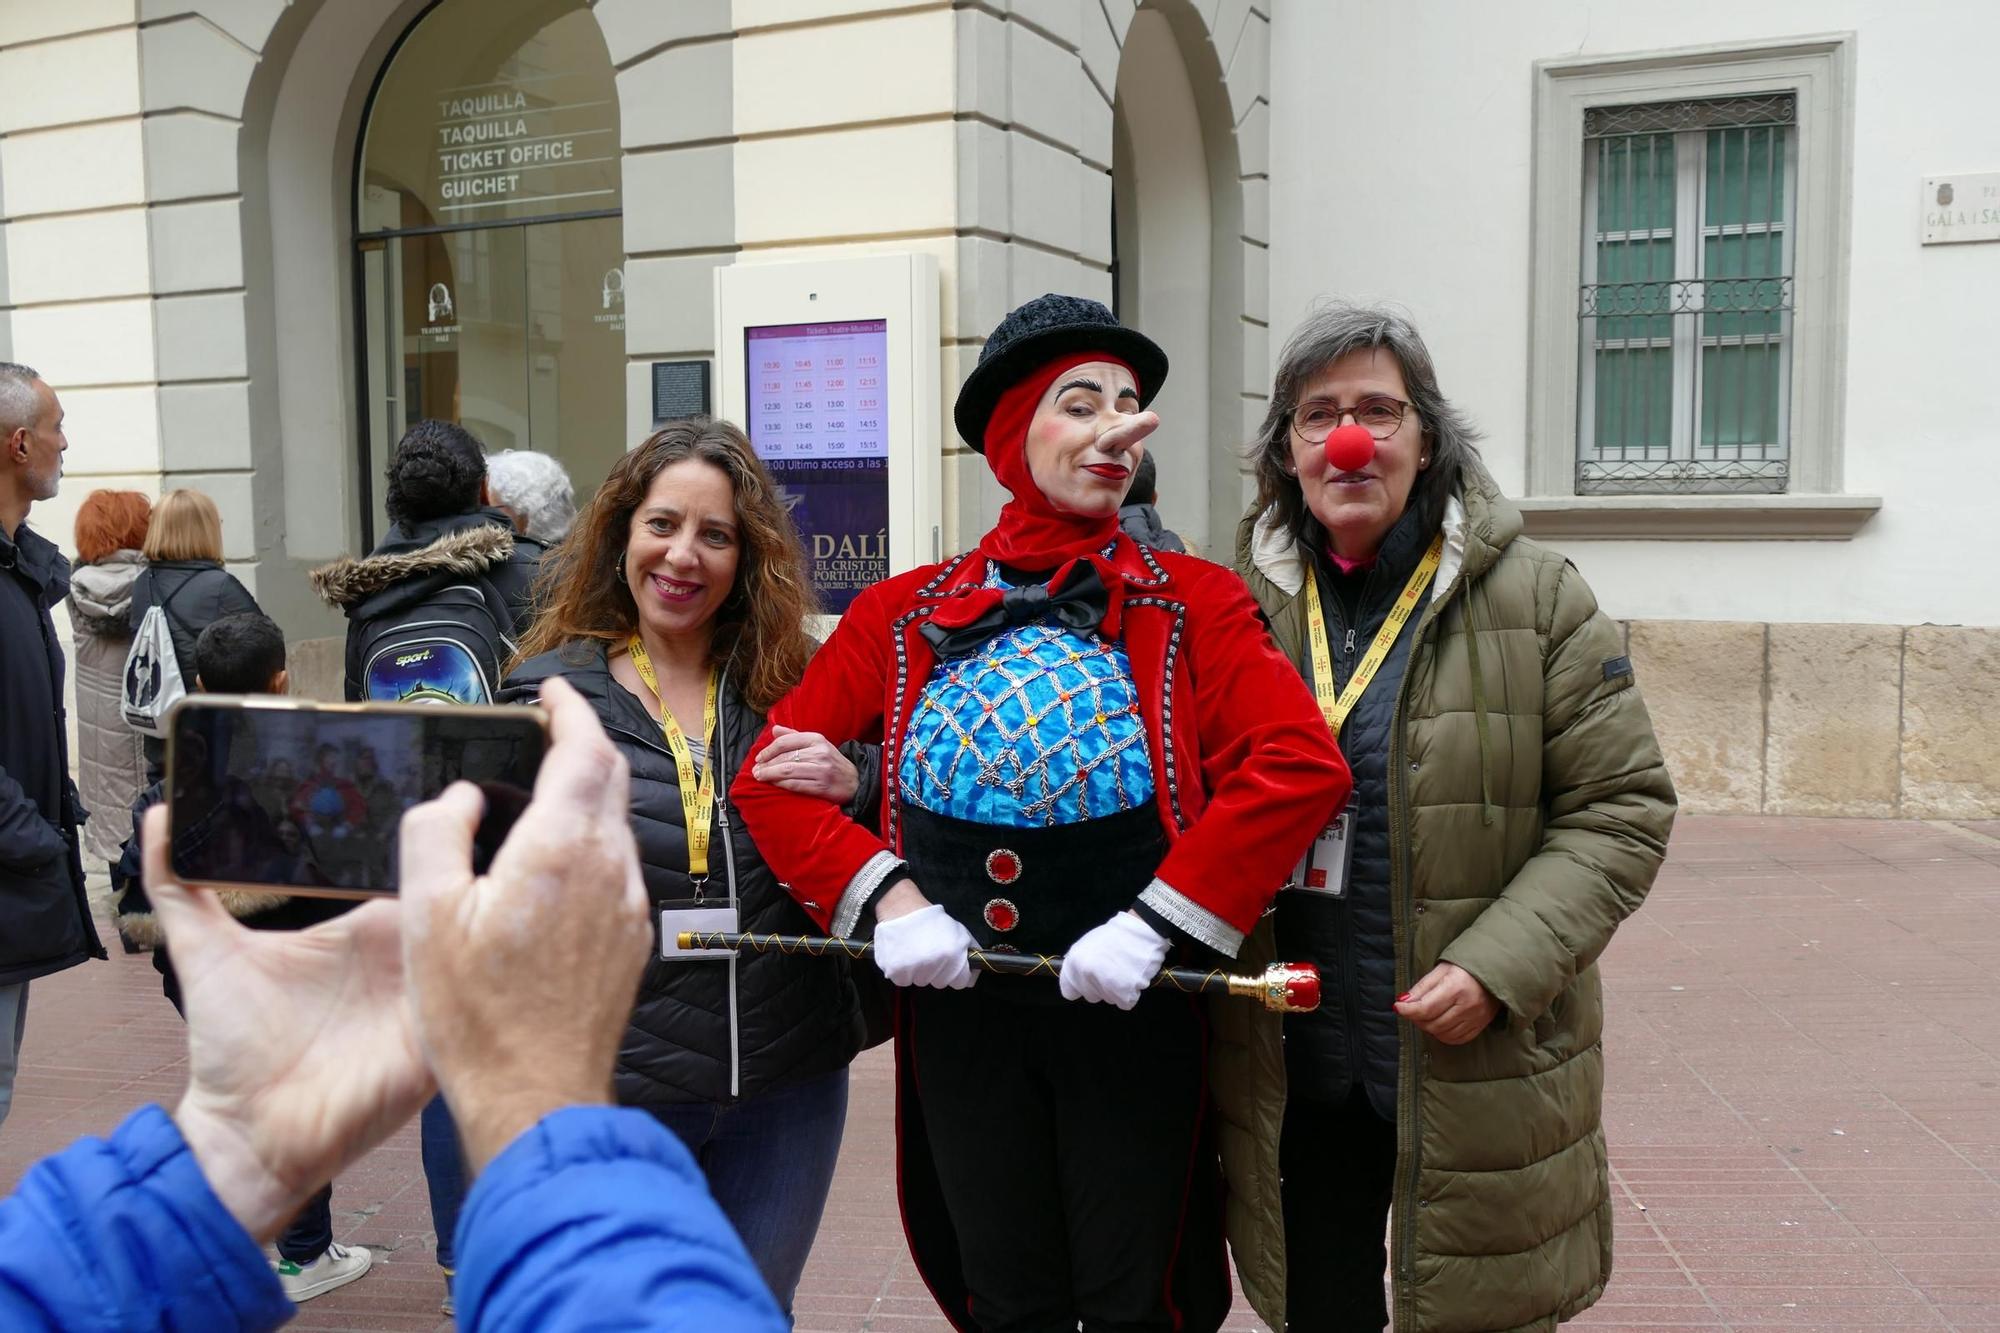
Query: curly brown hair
pixel 760 634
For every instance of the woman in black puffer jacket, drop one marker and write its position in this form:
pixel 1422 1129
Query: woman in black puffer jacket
pixel 681 577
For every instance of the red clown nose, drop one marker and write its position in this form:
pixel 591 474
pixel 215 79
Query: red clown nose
pixel 1349 448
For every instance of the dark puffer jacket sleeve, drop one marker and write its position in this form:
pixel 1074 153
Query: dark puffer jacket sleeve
pixel 27 841
pixel 1610 808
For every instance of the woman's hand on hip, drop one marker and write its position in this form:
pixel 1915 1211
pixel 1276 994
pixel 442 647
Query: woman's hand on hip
pixel 806 764
pixel 1449 1004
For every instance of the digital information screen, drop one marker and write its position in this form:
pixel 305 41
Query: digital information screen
pixel 818 414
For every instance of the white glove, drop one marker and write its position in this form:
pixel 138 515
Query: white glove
pixel 1114 963
pixel 925 948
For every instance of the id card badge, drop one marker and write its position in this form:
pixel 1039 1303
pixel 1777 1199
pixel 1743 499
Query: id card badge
pixel 706 918
pixel 1324 869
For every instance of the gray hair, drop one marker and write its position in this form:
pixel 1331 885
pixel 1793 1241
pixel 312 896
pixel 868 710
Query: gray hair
pixel 20 405
pixel 534 486
pixel 1327 334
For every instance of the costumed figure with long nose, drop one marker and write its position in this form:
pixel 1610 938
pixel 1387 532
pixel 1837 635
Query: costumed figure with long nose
pixel 1094 750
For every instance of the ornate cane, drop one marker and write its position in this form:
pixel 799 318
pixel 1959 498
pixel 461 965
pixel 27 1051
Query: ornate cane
pixel 1282 988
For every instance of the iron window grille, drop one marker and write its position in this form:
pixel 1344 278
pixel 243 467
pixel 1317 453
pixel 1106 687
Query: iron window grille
pixel 1686 306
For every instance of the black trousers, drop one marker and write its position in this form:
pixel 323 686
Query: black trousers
pixel 1338 1161
pixel 1075 1157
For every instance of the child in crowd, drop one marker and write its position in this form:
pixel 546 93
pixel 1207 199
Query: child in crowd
pixel 245 654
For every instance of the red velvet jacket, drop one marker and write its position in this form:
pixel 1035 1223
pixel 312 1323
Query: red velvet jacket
pixel 1245 771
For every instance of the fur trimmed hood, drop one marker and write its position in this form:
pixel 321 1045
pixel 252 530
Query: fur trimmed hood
pixel 468 551
pixel 143 928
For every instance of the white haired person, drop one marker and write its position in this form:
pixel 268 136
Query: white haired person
pixel 535 492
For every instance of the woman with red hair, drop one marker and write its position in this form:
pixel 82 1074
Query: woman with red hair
pixel 1089 749
pixel 111 765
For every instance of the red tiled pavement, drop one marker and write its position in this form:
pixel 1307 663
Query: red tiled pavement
pixel 1803 1102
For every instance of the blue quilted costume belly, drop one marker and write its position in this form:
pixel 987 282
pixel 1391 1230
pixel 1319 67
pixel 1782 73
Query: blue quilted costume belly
pixel 1039 727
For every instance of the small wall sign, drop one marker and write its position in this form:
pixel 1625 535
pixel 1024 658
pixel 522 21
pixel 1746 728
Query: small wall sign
pixel 1961 208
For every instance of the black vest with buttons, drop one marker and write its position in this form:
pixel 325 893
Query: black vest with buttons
pixel 1352 1037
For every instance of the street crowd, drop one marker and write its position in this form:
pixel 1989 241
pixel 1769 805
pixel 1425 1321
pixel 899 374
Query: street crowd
pixel 1387 736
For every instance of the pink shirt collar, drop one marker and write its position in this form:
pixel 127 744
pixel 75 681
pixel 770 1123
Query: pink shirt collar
pixel 1346 566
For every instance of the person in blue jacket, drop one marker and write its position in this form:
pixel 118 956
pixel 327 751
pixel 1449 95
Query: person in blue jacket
pixel 507 991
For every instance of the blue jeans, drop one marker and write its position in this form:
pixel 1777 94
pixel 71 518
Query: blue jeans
pixel 444 1173
pixel 769 1161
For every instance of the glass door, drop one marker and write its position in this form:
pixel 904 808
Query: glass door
pixel 515 332
pixel 490 255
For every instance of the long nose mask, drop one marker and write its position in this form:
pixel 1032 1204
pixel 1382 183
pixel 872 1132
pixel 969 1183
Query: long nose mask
pixel 1129 431
pixel 1349 448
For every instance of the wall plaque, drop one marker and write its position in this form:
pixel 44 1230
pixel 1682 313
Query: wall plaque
pixel 1961 208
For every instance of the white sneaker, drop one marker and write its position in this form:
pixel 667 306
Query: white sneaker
pixel 340 1265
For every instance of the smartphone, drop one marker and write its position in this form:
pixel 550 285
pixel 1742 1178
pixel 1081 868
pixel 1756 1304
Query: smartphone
pixel 265 792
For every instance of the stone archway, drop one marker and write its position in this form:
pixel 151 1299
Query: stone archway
pixel 1201 71
pixel 1163 215
pixel 1045 141
pixel 269 145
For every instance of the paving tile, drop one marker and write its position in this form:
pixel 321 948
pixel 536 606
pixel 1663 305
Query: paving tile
pixel 1796 1090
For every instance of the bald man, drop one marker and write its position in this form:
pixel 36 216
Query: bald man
pixel 45 923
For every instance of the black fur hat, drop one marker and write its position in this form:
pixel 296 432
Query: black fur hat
pixel 1045 328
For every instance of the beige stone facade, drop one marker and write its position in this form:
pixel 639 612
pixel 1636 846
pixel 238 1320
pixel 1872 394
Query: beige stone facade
pixel 179 237
pixel 1847 721
pixel 1868 721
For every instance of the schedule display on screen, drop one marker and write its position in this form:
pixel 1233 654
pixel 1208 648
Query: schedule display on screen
pixel 818 415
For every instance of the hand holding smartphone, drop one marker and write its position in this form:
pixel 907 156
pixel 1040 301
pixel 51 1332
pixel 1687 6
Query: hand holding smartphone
pixel 272 793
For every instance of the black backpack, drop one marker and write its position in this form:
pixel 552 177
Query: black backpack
pixel 442 639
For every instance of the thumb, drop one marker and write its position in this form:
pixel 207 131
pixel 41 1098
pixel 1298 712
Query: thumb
pixel 1429 982
pixel 780 729
pixel 190 918
pixel 435 848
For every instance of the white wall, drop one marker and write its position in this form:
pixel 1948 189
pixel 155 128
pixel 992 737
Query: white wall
pixel 1442 228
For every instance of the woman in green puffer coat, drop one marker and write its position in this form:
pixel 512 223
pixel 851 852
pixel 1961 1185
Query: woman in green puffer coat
pixel 1510 808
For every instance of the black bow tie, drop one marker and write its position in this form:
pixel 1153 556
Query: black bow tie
pixel 965 622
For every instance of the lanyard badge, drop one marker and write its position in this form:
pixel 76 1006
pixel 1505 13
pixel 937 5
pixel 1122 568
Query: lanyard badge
pixel 1335 706
pixel 698 810
pixel 1323 870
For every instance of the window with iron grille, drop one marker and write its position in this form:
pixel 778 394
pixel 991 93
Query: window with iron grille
pixel 1685 311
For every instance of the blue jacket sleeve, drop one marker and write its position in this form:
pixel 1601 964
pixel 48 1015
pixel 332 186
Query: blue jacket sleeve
pixel 597 1218
pixel 125 1233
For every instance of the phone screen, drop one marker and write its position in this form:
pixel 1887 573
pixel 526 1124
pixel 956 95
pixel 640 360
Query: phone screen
pixel 311 799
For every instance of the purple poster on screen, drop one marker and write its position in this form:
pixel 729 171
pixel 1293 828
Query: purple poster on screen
pixel 818 415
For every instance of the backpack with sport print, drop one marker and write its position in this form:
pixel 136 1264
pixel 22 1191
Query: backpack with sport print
pixel 447 645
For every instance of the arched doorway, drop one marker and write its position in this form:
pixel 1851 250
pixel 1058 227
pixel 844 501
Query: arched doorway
pixel 1177 207
pixel 490 253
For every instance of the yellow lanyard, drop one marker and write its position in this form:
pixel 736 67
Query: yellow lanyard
pixel 1336 707
pixel 697 801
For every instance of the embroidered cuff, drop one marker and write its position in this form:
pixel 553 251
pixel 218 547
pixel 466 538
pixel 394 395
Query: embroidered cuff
pixel 1191 918
pixel 862 890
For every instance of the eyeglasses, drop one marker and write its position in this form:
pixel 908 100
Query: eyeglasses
pixel 1381 416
